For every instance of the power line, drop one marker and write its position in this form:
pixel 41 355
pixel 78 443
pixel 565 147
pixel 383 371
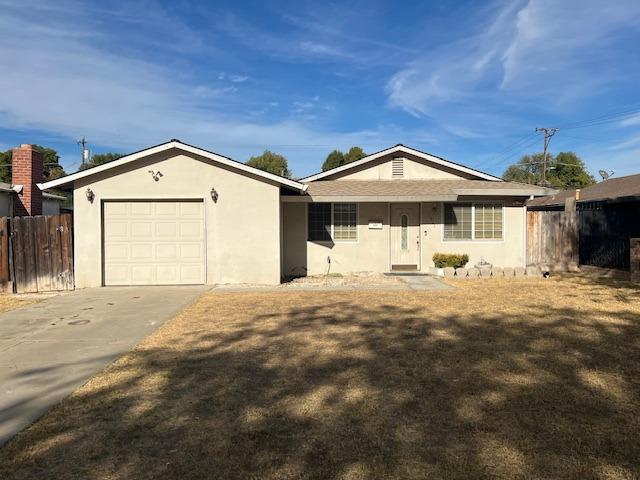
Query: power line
pixel 547 133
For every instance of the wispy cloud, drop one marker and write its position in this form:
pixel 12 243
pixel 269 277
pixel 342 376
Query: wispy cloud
pixel 527 51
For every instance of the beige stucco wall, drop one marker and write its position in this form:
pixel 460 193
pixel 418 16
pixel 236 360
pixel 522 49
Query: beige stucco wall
pixel 414 169
pixel 508 252
pixel 371 251
pixel 242 228
pixel 4 204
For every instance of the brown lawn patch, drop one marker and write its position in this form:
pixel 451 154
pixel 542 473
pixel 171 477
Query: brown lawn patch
pixel 11 302
pixel 497 379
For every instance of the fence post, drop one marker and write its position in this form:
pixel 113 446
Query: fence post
pixel 634 260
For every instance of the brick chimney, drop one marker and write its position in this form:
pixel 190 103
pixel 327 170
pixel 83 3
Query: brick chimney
pixel 26 170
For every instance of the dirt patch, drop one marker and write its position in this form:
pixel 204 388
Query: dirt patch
pixel 11 302
pixel 366 279
pixel 499 379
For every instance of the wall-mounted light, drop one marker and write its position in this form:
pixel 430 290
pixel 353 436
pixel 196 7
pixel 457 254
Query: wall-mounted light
pixel 214 195
pixel 90 195
pixel 156 175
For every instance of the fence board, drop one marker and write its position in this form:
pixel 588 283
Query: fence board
pixel 552 239
pixel 5 272
pixel 57 281
pixel 42 253
pixel 41 249
pixel 66 240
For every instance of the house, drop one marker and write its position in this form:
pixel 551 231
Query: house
pixel 22 196
pixel 608 214
pixel 178 214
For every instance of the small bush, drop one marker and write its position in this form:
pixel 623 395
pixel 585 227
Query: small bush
pixel 455 260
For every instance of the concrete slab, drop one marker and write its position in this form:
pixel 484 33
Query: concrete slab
pixel 50 348
pixel 424 282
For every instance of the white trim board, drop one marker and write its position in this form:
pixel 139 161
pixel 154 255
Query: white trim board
pixel 408 150
pixel 167 146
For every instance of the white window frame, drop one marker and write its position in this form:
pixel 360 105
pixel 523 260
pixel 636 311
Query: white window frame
pixel 473 238
pixel 333 237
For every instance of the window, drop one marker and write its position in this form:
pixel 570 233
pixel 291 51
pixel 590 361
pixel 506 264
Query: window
pixel 345 220
pixel 332 221
pixel 404 226
pixel 488 221
pixel 479 221
pixel 458 221
pixel 319 222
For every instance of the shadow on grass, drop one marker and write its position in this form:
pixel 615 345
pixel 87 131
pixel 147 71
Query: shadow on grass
pixel 339 387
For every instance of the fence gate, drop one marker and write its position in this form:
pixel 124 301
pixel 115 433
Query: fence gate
pixel 605 230
pixel 552 239
pixel 42 253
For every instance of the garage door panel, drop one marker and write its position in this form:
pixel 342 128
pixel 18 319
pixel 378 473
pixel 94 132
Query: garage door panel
pixel 148 243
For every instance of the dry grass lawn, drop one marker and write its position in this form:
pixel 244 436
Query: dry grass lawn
pixel 11 302
pixel 497 379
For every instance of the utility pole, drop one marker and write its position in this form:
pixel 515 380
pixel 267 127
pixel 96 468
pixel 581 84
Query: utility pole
pixel 548 133
pixel 84 152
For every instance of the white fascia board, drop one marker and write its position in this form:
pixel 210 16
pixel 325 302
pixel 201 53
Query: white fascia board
pixel 403 149
pixel 161 148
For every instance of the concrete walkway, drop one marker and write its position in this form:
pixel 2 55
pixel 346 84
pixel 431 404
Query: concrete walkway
pixel 50 348
pixel 423 282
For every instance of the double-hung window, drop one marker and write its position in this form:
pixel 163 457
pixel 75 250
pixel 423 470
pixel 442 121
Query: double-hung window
pixel 473 221
pixel 333 221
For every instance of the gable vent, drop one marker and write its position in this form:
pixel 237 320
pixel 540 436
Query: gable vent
pixel 397 168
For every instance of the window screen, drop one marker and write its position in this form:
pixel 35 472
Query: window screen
pixel 488 221
pixel 458 221
pixel 345 221
pixel 319 219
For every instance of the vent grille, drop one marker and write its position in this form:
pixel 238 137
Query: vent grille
pixel 397 168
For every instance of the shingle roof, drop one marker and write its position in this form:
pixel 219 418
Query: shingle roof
pixel 383 188
pixel 611 189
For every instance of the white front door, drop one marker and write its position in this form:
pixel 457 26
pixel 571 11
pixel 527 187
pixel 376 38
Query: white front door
pixel 154 242
pixel 405 236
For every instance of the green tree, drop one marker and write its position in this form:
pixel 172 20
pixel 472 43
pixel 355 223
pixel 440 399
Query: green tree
pixel 337 158
pixel 51 170
pixel 354 153
pixel 100 159
pixel 569 171
pixel 564 170
pixel 333 160
pixel 271 162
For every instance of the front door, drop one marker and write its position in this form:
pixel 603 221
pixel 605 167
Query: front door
pixel 405 236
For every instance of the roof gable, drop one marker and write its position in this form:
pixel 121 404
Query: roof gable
pixel 400 150
pixel 177 144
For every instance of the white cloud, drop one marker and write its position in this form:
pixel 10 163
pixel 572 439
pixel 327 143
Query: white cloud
pixel 536 49
pixel 238 78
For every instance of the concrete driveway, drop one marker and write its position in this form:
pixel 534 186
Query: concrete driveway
pixel 50 348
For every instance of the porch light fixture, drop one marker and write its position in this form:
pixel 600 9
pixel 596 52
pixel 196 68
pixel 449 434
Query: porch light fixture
pixel 214 195
pixel 90 195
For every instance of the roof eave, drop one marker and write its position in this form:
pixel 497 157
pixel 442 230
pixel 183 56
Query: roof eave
pixel 164 147
pixel 403 149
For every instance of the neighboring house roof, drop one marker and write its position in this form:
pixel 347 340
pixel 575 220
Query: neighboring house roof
pixel 5 187
pixel 612 189
pixel 52 196
pixel 425 189
pixel 407 150
pixel 177 144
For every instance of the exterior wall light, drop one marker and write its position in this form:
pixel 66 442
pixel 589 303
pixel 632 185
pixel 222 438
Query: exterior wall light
pixel 214 195
pixel 90 195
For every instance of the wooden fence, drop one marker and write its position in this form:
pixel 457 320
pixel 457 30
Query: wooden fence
pixel 552 239
pixel 36 253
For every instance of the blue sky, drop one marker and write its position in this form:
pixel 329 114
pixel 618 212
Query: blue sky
pixel 468 81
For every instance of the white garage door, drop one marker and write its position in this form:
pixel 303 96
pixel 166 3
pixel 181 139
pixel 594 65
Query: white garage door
pixel 154 243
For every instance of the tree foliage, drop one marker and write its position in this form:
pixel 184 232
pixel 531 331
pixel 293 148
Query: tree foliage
pixel 337 158
pixel 271 162
pixel 564 170
pixel 100 159
pixel 51 170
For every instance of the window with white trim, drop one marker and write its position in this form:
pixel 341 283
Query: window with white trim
pixel 473 221
pixel 332 221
